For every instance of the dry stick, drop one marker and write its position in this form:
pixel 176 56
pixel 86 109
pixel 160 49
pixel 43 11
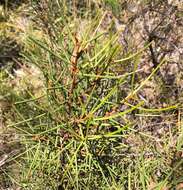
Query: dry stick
pixel 22 66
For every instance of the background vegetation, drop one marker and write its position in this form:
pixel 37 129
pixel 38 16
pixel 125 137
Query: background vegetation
pixel 91 94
